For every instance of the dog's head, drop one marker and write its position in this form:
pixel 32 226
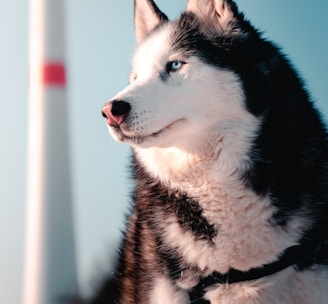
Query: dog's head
pixel 185 86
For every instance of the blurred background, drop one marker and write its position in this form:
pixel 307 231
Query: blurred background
pixel 100 44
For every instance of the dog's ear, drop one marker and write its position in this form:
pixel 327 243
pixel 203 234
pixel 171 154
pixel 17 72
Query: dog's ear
pixel 218 16
pixel 146 17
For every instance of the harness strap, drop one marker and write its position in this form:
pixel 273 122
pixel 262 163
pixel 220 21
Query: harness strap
pixel 289 257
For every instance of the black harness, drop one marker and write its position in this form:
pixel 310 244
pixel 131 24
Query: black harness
pixel 290 256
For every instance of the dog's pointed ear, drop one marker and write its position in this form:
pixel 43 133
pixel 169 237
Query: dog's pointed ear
pixel 146 17
pixel 218 16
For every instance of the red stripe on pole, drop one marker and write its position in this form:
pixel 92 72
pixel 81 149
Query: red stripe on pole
pixel 54 74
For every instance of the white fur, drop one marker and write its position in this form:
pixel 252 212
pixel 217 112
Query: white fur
pixel 165 293
pixel 240 244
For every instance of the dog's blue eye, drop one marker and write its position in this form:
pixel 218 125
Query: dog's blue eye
pixel 174 66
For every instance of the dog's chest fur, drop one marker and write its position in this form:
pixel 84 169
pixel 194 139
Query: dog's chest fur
pixel 214 227
pixel 210 217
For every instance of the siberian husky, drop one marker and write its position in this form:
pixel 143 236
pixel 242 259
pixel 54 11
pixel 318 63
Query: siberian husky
pixel 230 166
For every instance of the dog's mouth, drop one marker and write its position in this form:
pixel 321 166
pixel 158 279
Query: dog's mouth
pixel 134 138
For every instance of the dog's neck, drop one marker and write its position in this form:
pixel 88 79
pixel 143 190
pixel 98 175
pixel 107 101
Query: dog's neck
pixel 216 162
pixel 173 166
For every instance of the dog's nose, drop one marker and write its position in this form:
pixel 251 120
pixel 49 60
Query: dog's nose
pixel 115 112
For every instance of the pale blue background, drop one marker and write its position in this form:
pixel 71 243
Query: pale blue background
pixel 100 45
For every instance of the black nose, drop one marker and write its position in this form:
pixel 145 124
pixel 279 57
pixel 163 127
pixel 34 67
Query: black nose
pixel 116 111
pixel 120 107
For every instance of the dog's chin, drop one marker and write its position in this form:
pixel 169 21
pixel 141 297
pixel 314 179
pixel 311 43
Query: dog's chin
pixel 143 140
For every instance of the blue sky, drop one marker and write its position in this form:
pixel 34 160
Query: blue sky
pixel 100 44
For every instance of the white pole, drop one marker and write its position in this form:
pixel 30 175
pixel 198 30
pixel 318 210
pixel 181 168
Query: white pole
pixel 50 263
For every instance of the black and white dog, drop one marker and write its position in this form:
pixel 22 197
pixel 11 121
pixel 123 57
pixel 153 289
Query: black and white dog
pixel 230 163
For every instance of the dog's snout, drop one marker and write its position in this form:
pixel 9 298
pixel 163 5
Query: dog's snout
pixel 116 111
